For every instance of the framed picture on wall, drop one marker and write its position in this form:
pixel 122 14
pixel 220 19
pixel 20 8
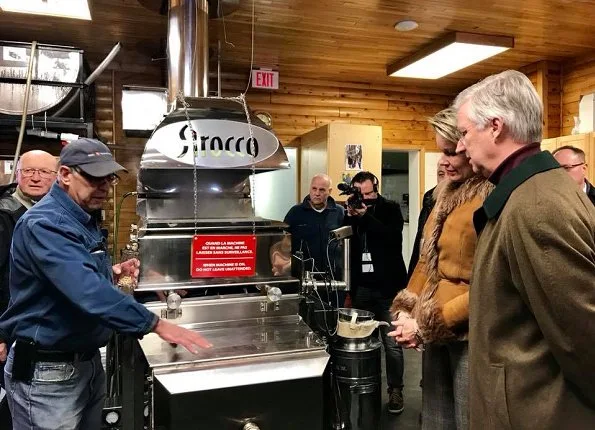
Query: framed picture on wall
pixel 346 177
pixel 6 167
pixel 353 157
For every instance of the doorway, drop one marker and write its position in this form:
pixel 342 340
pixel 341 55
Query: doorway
pixel 400 182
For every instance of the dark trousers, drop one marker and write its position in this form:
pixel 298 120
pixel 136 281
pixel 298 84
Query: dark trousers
pixel 371 300
pixel 5 417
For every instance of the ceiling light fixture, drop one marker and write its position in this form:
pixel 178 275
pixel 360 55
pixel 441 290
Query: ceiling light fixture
pixel 447 55
pixel 406 25
pixel 77 9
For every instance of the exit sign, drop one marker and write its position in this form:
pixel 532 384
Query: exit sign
pixel 266 79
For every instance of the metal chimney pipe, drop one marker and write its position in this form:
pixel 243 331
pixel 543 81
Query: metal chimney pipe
pixel 188 48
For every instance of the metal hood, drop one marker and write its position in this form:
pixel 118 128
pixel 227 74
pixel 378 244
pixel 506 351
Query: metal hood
pixel 217 164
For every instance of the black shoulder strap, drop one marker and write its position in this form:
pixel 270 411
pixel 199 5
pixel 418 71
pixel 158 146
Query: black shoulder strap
pixel 7 189
pixel 10 218
pixel 13 207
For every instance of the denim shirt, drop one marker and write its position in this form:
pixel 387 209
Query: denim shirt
pixel 61 285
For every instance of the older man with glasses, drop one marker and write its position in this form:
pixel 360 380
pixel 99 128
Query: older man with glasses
pixel 574 161
pixel 64 305
pixel 35 173
pixel 532 294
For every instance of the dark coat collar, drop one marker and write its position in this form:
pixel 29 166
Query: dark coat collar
pixel 590 191
pixel 495 202
pixel 331 205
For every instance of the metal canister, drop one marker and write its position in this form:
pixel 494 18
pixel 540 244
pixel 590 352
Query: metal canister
pixel 355 381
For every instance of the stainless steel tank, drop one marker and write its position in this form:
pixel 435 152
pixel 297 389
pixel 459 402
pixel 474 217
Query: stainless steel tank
pixel 216 266
pixel 265 359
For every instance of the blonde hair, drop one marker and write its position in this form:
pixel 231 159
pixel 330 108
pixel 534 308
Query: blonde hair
pixel 445 124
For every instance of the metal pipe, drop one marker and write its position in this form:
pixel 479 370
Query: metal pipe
pixel 219 68
pixel 92 77
pixel 43 133
pixel 189 285
pixel 347 263
pixel 24 116
pixel 310 284
pixel 188 49
pixel 102 66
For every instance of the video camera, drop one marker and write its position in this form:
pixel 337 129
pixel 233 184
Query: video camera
pixel 356 199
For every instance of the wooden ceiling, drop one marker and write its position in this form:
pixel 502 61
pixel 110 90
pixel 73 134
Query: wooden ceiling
pixel 338 40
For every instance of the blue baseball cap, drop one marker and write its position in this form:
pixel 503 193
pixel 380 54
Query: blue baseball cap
pixel 91 156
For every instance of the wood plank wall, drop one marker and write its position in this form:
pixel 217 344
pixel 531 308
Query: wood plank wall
pixel 546 77
pixel 578 79
pixel 301 105
pixel 554 99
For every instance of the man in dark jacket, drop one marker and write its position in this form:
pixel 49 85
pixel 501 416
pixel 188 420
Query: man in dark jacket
pixel 426 208
pixel 310 223
pixel 574 161
pixel 35 173
pixel 377 269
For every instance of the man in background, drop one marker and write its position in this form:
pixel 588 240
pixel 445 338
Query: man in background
pixel 573 160
pixel 426 208
pixel 310 223
pixel 378 271
pixel 531 313
pixel 35 173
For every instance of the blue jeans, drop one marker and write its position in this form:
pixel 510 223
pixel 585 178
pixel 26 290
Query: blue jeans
pixel 61 396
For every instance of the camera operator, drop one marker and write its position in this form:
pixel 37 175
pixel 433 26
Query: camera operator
pixel 377 268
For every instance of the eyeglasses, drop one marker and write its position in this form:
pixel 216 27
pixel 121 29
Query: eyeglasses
pixel 571 166
pixel 43 173
pixel 112 179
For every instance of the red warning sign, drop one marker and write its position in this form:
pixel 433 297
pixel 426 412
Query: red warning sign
pixel 216 256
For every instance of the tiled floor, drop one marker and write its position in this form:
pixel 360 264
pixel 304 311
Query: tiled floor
pixel 409 418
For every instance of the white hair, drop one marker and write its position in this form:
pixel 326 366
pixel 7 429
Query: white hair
pixel 509 96
pixel 324 177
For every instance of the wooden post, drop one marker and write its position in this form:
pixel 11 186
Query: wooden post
pixel 542 90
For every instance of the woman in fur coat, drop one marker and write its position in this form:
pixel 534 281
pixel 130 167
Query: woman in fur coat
pixel 432 313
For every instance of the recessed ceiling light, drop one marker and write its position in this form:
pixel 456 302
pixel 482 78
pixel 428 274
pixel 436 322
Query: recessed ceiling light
pixel 449 54
pixel 78 9
pixel 406 25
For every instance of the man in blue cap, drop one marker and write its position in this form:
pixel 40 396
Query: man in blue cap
pixel 64 305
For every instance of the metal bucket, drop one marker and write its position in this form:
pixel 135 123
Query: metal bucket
pixel 356 323
pixel 356 387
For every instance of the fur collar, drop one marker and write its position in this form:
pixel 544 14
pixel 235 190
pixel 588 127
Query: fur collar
pixel 449 196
